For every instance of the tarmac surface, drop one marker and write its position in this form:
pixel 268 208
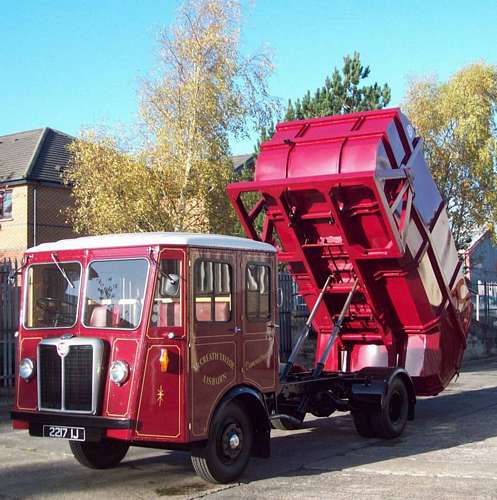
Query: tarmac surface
pixel 449 451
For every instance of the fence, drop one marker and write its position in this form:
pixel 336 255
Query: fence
pixel 9 307
pixel 484 298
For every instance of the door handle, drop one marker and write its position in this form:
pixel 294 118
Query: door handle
pixel 173 336
pixel 236 329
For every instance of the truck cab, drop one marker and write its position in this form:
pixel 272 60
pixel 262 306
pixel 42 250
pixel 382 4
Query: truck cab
pixel 149 339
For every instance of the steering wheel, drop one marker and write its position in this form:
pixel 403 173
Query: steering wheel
pixel 50 304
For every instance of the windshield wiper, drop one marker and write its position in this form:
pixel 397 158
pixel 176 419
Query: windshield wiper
pixel 54 258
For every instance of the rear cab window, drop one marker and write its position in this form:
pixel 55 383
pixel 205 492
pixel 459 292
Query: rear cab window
pixel 213 291
pixel 258 292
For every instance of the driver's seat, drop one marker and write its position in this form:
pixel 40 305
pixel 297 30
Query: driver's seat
pixel 100 317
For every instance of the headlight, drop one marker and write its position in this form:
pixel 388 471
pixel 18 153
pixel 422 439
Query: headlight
pixel 119 372
pixel 26 369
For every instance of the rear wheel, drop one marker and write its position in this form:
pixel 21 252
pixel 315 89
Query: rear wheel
pixel 227 452
pixel 102 455
pixel 391 420
pixel 363 424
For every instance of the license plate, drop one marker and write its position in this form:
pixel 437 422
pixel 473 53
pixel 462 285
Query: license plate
pixel 64 432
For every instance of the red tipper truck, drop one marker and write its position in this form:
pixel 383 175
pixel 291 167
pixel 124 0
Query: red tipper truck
pixel 170 340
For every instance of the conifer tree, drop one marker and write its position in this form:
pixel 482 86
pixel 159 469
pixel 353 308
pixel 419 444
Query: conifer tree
pixel 343 92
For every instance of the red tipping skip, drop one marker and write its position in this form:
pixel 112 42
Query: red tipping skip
pixel 352 196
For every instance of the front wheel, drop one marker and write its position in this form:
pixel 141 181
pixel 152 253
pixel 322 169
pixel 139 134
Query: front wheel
pixel 102 455
pixel 228 448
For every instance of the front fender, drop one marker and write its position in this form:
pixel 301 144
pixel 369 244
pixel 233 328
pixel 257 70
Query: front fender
pixel 252 401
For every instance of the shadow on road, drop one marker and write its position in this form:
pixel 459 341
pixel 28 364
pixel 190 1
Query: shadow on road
pixel 442 422
pixel 329 444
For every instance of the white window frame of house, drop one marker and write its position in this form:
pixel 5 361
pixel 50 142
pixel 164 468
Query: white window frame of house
pixel 2 193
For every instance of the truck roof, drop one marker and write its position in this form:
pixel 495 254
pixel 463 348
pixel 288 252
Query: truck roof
pixel 143 239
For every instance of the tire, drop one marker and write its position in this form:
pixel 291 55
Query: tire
pixel 228 448
pixel 363 424
pixel 391 420
pixel 105 454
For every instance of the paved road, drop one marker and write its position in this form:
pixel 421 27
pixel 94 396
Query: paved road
pixel 449 451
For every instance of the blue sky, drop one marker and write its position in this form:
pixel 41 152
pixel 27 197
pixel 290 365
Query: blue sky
pixel 74 64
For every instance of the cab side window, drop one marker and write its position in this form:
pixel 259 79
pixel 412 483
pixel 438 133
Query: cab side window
pixel 257 292
pixel 166 310
pixel 213 291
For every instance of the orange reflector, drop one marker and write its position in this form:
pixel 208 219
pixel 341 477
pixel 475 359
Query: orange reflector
pixel 164 360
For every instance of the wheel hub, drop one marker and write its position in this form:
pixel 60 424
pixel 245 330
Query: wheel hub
pixel 232 441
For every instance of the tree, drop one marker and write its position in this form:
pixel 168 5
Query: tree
pixel 342 92
pixel 108 184
pixel 457 120
pixel 205 90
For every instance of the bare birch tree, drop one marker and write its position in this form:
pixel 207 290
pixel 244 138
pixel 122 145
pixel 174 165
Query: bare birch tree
pixel 204 92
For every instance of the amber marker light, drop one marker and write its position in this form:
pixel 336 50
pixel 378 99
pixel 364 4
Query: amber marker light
pixel 164 360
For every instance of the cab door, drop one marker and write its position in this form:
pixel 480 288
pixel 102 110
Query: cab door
pixel 214 332
pixel 162 409
pixel 259 345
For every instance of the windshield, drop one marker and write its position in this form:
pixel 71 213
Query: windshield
pixel 115 292
pixel 51 302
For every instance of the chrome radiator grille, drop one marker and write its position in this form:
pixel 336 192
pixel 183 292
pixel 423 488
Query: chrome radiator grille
pixel 69 374
pixel 50 377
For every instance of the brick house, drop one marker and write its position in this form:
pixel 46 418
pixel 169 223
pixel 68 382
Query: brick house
pixel 33 197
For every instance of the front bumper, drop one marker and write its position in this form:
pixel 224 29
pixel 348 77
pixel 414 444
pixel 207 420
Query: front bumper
pixel 72 419
pixel 95 426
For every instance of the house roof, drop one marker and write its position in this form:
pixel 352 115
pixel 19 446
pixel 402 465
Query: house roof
pixel 477 241
pixel 41 154
pixel 242 161
pixel 38 154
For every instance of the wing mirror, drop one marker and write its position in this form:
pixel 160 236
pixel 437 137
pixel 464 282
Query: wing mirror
pixel 170 285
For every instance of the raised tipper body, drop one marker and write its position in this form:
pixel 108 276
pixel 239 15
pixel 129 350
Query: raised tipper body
pixel 352 197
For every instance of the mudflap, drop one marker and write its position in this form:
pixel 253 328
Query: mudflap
pixel 367 395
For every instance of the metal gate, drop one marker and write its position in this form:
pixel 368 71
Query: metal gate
pixel 291 305
pixel 285 297
pixel 9 314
